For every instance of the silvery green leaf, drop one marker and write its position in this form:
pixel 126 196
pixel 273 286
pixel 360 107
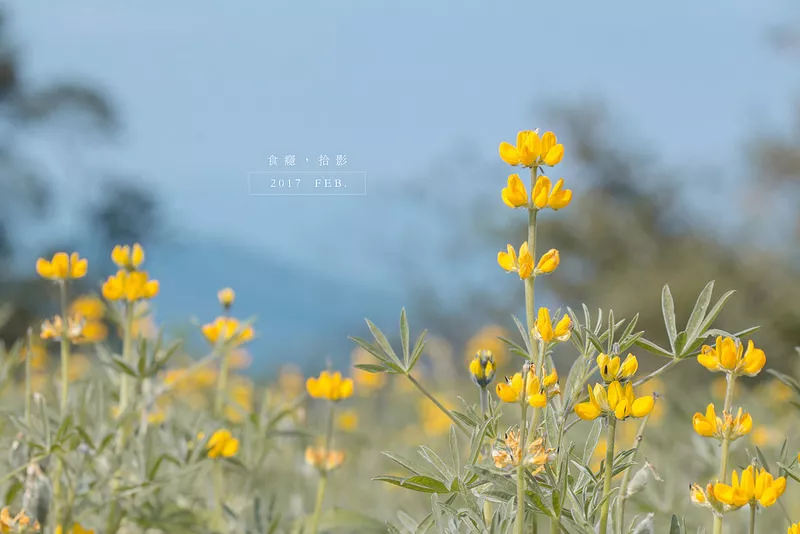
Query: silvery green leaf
pixel 668 311
pixel 695 324
pixel 646 525
pixel 404 338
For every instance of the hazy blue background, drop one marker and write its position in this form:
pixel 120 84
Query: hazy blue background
pixel 411 92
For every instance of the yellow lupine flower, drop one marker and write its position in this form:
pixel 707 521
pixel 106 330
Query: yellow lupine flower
pixel 794 529
pixel 536 392
pixel 514 194
pixel 728 355
pixel 330 386
pixel 89 307
pixel 222 444
pixel 543 329
pixel 226 297
pixel 522 264
pixel 482 368
pixel 545 195
pixel 128 258
pixel 548 262
pixel 619 400
pixel 709 425
pixel 130 286
pixel 531 151
pixel 751 488
pixel 611 368
pixel 20 523
pixel 227 330
pixel 62 266
pixel 348 420
pixel 324 460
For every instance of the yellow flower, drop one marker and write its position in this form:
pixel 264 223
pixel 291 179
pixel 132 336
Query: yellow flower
pixel 703 497
pixel 348 420
pixel 227 330
pixel 531 151
pixel 536 392
pixel 62 266
pixel 514 194
pixel 619 400
pixel 482 368
pixel 130 286
pixel 611 369
pixel 728 355
pixel 226 297
pixel 548 262
pixel 53 329
pixel 487 338
pixel 794 529
pixel 546 195
pixel 709 425
pixel 89 307
pixel 753 487
pixel 543 327
pixel 367 382
pixel 126 258
pixel 522 265
pixel 330 386
pixel 222 444
pixel 434 421
pixel 323 459
pixel 94 331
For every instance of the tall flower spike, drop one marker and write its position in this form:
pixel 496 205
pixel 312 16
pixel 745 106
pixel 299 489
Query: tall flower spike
pixel 514 194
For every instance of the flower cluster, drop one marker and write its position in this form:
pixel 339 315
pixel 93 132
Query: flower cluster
pixel 508 453
pixel 535 391
pixel 222 444
pixel 129 284
pixel 728 355
pixel 709 425
pixel 62 266
pixel 330 386
pixel 533 151
pixel 618 401
pixel 227 331
pixel 522 263
pixel 545 331
pixel 754 487
pixel 482 368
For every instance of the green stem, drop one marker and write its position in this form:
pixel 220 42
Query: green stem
pixel 752 518
pixel 219 496
pixel 437 403
pixel 623 488
pixel 488 512
pixel 555 526
pixel 222 384
pixel 523 426
pixel 609 472
pixel 64 348
pixel 28 387
pixel 726 444
pixel 125 384
pixel 323 479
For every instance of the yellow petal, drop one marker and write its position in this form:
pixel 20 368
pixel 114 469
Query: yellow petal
pixel 137 255
pixel 506 393
pixel 548 262
pixel 541 192
pixel 537 401
pixel 754 359
pixel 509 154
pixel 587 411
pixel 643 406
pixel 44 268
pixel 554 155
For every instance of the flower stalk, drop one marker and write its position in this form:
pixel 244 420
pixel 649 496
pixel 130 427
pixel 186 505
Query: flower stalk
pixel 323 479
pixel 609 472
pixel 62 286
pixel 726 444
pixel 125 380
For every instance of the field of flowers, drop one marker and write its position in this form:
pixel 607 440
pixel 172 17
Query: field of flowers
pixel 546 424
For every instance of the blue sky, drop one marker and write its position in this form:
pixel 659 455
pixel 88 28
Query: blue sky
pixel 208 92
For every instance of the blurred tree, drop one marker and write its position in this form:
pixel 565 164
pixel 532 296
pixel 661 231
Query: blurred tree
pixel 125 212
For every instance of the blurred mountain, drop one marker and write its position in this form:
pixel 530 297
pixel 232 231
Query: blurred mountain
pixel 301 317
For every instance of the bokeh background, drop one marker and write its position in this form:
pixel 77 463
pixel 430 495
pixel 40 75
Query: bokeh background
pixel 132 121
